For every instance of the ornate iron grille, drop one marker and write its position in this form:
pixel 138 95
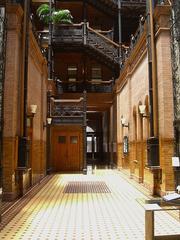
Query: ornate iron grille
pixel 67 111
pixel 175 47
pixel 86 187
pixel 2 76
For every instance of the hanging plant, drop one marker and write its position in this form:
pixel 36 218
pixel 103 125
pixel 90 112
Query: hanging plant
pixel 57 16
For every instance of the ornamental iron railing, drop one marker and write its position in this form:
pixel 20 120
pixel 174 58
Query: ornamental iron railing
pixel 89 86
pixel 83 35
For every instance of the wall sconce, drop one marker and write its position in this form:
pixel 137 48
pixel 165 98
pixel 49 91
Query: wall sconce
pixel 142 110
pixel 123 122
pixel 33 108
pixel 49 121
pixel 32 111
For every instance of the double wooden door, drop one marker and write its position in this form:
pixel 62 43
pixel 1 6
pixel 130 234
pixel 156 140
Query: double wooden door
pixel 66 151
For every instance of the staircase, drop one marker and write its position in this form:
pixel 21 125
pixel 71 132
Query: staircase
pixel 103 46
pixel 83 36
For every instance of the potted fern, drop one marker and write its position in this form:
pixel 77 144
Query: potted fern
pixel 57 16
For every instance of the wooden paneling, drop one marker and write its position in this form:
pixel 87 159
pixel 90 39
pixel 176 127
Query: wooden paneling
pixel 67 148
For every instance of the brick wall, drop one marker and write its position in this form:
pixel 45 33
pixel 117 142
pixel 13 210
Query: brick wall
pixel 13 93
pixel 132 89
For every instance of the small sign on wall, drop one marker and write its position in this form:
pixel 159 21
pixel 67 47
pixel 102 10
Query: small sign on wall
pixel 175 162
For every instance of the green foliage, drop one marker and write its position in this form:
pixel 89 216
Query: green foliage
pixel 43 13
pixel 59 16
pixel 62 16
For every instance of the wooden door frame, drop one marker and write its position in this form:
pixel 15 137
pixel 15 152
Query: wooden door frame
pixel 67 128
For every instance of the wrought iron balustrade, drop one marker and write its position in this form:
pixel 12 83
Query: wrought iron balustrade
pixel 103 45
pixel 65 33
pixel 90 86
pixel 82 34
pixel 67 110
pixel 123 2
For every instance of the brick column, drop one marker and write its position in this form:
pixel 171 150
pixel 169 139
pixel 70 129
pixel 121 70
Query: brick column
pixel 165 96
pixel 11 101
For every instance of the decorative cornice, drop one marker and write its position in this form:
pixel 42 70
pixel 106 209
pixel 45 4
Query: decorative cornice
pixel 132 62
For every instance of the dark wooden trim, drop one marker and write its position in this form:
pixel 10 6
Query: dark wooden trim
pixel 167 237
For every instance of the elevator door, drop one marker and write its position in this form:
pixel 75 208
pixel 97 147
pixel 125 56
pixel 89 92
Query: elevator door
pixel 66 151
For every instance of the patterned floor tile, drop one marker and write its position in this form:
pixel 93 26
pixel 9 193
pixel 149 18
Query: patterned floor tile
pixel 90 214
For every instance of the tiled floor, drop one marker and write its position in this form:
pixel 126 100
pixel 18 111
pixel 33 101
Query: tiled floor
pixel 102 206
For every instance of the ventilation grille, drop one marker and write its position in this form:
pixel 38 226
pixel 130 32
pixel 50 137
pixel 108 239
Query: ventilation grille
pixel 86 187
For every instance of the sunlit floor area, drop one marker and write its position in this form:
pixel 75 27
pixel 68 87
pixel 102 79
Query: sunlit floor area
pixel 86 207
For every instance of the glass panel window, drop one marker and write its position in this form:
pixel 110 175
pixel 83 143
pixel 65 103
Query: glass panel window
pixel 61 139
pixel 95 144
pixel 73 139
pixel 89 144
pixel 96 73
pixel 72 73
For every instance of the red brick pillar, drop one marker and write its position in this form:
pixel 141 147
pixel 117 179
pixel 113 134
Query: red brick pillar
pixel 165 96
pixel 11 101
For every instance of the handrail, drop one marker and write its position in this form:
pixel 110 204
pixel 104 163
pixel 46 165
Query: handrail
pixel 99 82
pixel 107 39
pixel 88 81
pixel 67 100
pixel 70 25
pixel 101 35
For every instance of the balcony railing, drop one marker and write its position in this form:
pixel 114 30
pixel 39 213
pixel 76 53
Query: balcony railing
pixel 123 2
pixel 68 110
pixel 90 86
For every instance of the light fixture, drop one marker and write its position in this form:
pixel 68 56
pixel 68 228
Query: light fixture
pixel 49 121
pixel 123 122
pixel 142 110
pixel 33 108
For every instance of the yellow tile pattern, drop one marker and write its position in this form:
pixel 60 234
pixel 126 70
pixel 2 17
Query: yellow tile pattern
pixel 54 215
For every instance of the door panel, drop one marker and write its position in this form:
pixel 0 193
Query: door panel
pixel 73 153
pixel 66 153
